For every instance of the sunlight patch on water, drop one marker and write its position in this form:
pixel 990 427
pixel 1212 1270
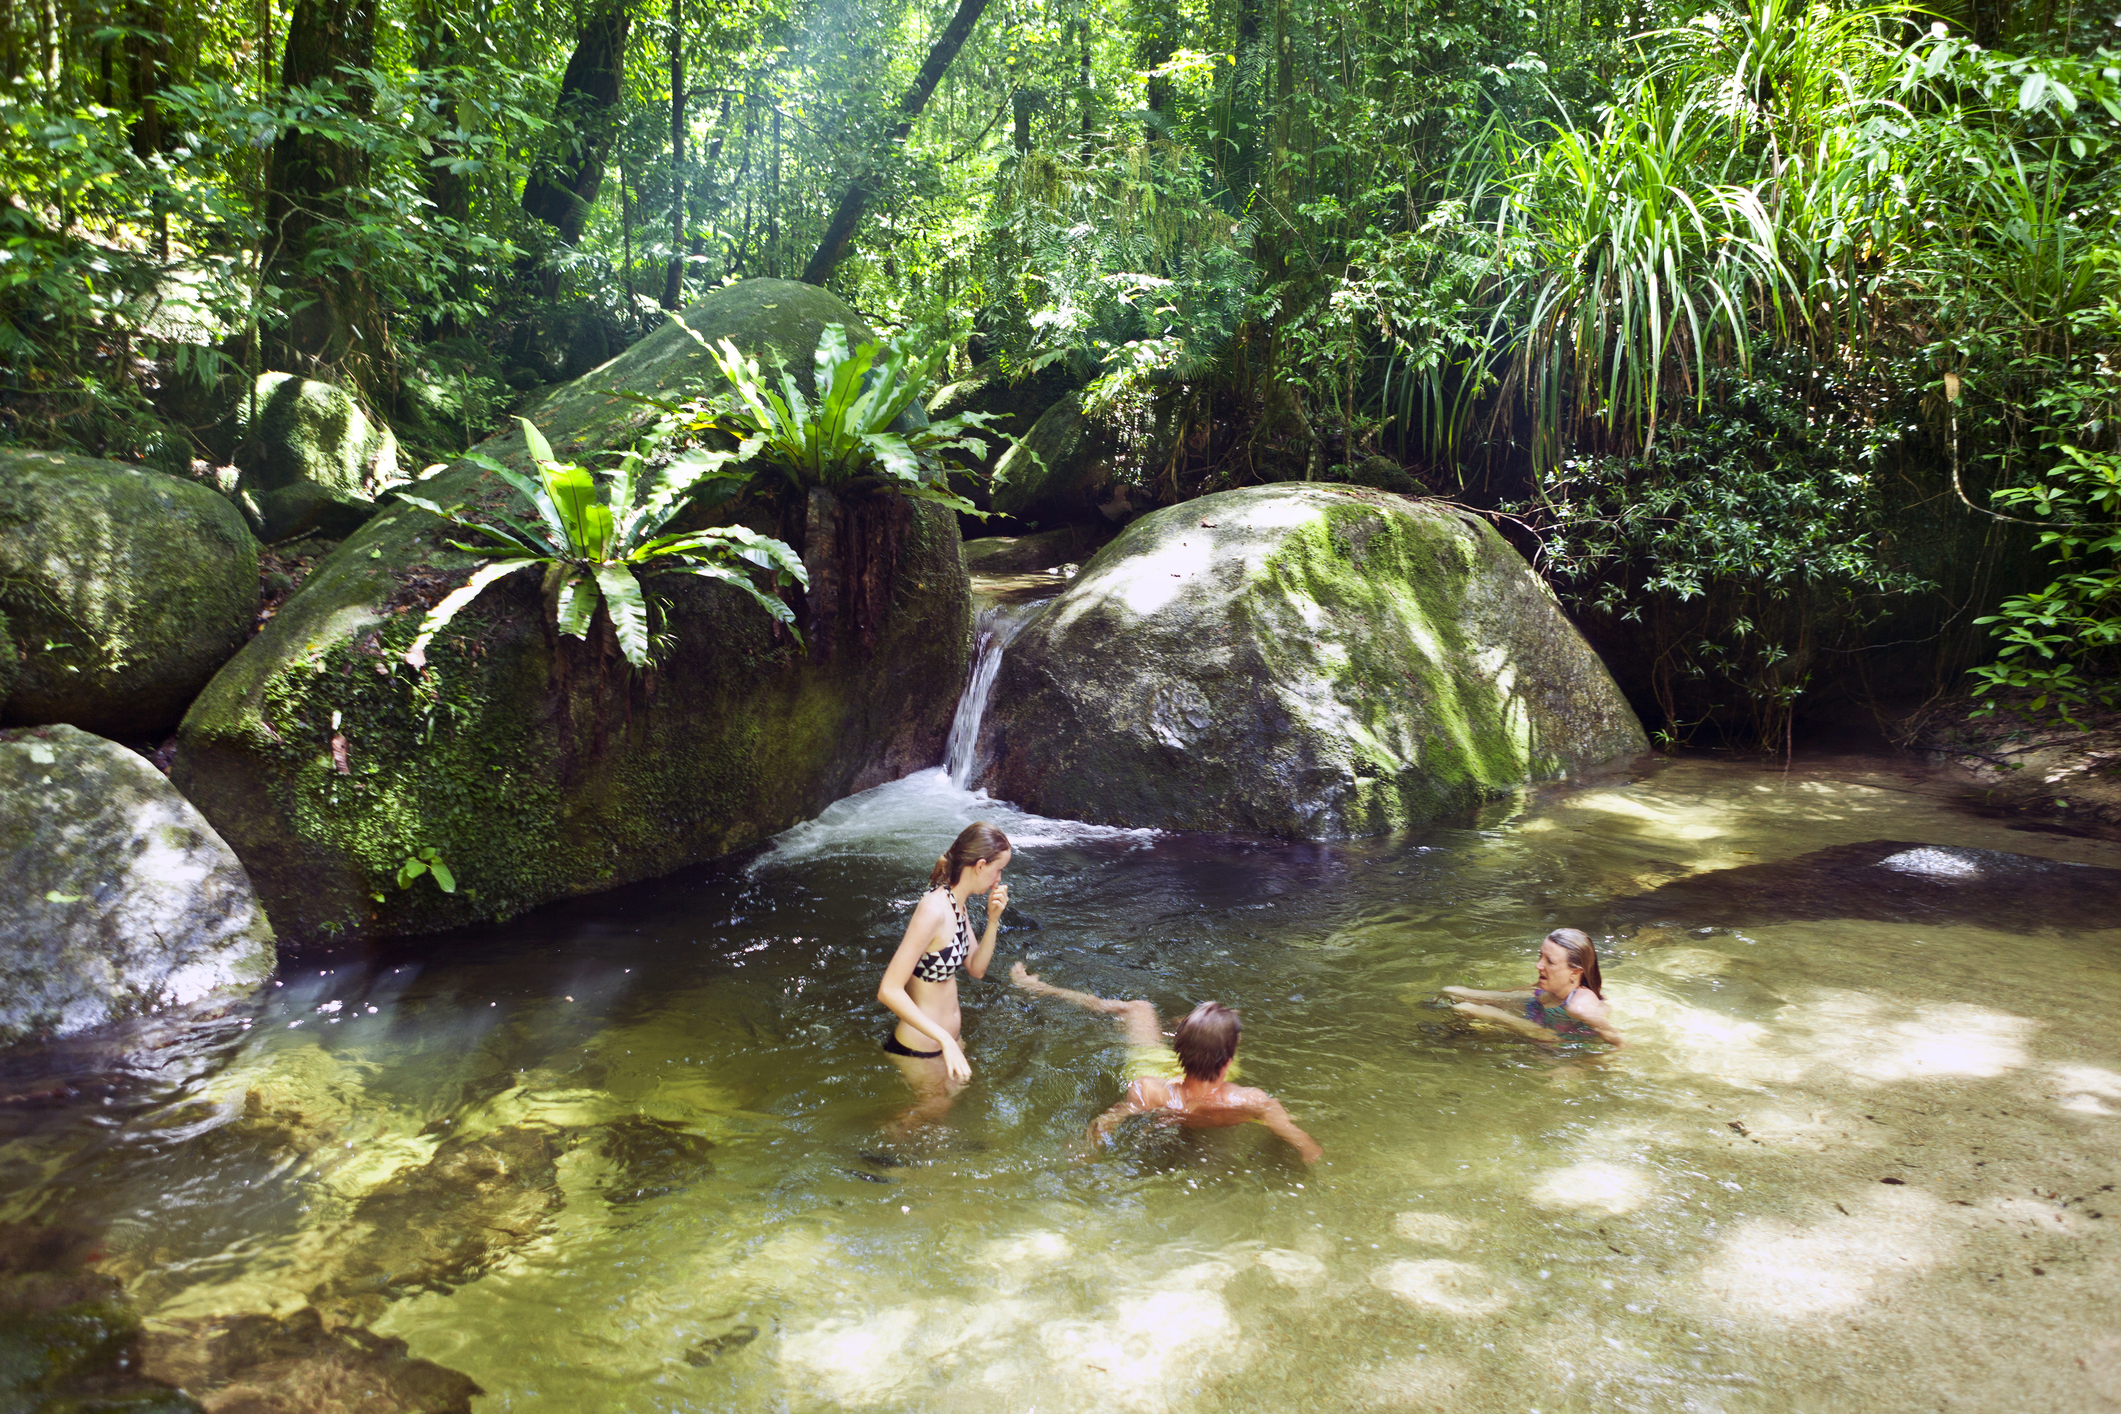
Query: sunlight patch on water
pixel 1439 1284
pixel 1772 1270
pixel 1594 1187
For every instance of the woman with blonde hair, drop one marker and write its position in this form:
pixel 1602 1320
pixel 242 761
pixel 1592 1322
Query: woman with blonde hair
pixel 920 982
pixel 1567 1001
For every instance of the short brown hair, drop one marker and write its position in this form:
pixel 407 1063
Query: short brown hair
pixel 1207 1040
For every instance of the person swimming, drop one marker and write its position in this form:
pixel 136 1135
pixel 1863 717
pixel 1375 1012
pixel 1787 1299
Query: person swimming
pixel 919 985
pixel 1185 1083
pixel 1568 1002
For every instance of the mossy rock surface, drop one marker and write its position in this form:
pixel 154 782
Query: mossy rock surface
pixel 124 591
pixel 538 767
pixel 1027 554
pixel 124 899
pixel 1060 471
pixel 310 431
pixel 1300 661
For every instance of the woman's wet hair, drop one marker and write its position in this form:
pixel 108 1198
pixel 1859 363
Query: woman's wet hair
pixel 978 841
pixel 1576 946
pixel 1207 1040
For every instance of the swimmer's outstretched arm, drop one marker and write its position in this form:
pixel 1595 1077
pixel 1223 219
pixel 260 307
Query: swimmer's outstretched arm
pixel 1474 994
pixel 1512 1020
pixel 1277 1121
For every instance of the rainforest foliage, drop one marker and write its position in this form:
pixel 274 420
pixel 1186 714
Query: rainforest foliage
pixel 1777 329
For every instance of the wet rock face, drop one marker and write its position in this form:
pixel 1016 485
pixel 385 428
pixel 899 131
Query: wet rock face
pixel 539 767
pixel 446 1222
pixel 123 900
pixel 259 1364
pixel 124 590
pixel 1888 881
pixel 1297 661
pixel 1062 470
pixel 69 1340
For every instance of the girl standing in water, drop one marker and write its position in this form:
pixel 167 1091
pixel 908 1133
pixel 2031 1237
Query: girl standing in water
pixel 920 983
pixel 1567 1004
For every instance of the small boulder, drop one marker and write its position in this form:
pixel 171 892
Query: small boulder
pixel 1061 472
pixel 126 900
pixel 1029 554
pixel 124 590
pixel 308 434
pixel 1297 660
pixel 304 430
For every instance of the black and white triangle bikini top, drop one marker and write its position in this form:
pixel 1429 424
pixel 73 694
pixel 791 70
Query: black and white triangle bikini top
pixel 942 964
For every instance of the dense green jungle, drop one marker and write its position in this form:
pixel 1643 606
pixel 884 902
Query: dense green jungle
pixel 1779 337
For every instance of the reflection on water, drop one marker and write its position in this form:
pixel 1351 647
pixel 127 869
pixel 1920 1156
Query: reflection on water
pixel 633 1153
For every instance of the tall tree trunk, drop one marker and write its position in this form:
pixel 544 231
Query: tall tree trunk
pixel 1156 26
pixel 449 192
pixel 564 187
pixel 848 214
pixel 674 281
pixel 310 199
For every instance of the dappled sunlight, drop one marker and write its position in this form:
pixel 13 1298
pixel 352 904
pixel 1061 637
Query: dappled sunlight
pixel 1432 1229
pixel 1594 1187
pixel 2087 1089
pixel 1439 1284
pixel 1771 1270
pixel 1875 1039
pixel 1292 1269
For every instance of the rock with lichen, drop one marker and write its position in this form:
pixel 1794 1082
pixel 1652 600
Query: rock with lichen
pixel 124 591
pixel 1297 660
pixel 537 767
pixel 123 900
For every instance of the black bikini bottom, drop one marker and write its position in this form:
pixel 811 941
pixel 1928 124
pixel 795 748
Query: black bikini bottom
pixel 893 1047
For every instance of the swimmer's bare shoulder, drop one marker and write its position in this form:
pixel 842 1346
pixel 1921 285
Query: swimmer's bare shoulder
pixel 1260 1107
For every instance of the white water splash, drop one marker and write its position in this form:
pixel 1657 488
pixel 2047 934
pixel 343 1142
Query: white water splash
pixel 908 820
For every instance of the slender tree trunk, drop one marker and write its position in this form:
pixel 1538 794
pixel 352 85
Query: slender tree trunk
pixel 449 192
pixel 848 214
pixel 562 191
pixel 674 281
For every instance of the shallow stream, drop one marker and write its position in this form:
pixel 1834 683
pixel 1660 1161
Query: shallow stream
pixel 641 1152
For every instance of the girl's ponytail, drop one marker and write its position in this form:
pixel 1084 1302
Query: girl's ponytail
pixel 975 844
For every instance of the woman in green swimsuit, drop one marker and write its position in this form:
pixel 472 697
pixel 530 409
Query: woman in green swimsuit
pixel 1567 1002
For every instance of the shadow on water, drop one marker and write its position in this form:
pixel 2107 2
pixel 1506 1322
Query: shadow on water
pixel 1889 881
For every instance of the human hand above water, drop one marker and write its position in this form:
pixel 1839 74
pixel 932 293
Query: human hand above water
pixel 997 900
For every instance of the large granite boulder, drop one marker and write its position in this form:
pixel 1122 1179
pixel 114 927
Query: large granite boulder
pixel 123 900
pixel 124 590
pixel 1297 660
pixel 537 767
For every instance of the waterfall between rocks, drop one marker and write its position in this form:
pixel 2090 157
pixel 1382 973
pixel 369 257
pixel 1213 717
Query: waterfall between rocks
pixel 998 623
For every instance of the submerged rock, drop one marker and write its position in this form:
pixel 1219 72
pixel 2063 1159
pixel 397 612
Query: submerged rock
pixel 124 590
pixel 1301 661
pixel 125 900
pixel 652 1158
pixel 261 1364
pixel 1888 881
pixel 69 1340
pixel 538 767
pixel 446 1222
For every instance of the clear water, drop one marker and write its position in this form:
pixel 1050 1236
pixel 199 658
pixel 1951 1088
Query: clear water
pixel 1704 1221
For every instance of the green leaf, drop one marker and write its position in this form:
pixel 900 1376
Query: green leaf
pixel 540 449
pixel 410 870
pixel 439 616
pixel 578 602
pixel 629 614
pixel 443 877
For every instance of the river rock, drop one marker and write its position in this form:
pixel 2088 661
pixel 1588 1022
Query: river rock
pixel 1061 472
pixel 126 901
pixel 1297 660
pixel 312 457
pixel 124 590
pixel 537 767
pixel 256 1363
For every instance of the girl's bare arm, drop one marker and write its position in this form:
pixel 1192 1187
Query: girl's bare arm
pixel 997 900
pixel 1496 1014
pixel 1474 994
pixel 1593 1012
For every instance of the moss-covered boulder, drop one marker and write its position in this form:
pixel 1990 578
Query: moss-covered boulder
pixel 539 767
pixel 1027 554
pixel 1061 472
pixel 122 899
pixel 313 458
pixel 124 590
pixel 1303 661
